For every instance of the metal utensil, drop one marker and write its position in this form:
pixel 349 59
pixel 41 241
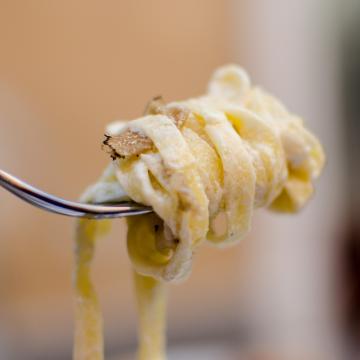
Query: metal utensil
pixel 58 205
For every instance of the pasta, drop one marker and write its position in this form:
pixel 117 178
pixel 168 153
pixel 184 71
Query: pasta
pixel 218 156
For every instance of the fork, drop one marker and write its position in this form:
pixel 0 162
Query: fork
pixel 61 206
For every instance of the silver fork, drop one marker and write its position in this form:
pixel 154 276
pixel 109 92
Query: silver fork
pixel 58 205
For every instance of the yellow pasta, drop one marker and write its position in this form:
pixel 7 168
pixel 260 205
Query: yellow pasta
pixel 88 321
pixel 151 308
pixel 223 154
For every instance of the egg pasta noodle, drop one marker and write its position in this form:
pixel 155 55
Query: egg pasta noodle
pixel 217 156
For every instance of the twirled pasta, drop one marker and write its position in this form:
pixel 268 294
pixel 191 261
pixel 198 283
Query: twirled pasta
pixel 225 154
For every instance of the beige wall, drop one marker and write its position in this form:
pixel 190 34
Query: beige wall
pixel 66 69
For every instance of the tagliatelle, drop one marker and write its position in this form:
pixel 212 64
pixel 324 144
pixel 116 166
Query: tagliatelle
pixel 88 322
pixel 224 154
pixel 151 308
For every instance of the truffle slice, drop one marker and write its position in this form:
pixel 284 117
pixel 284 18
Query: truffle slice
pixel 130 143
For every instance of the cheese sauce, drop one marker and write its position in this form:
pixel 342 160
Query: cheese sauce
pixel 233 150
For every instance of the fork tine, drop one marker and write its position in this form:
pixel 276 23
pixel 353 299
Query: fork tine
pixel 58 205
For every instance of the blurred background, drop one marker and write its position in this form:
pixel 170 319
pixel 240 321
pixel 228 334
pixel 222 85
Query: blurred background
pixel 291 290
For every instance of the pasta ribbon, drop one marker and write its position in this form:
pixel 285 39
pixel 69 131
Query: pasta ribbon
pixel 88 321
pixel 217 156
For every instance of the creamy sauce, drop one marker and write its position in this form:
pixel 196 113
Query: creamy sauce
pixel 239 149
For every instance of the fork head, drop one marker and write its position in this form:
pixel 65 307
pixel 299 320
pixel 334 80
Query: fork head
pixel 58 205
